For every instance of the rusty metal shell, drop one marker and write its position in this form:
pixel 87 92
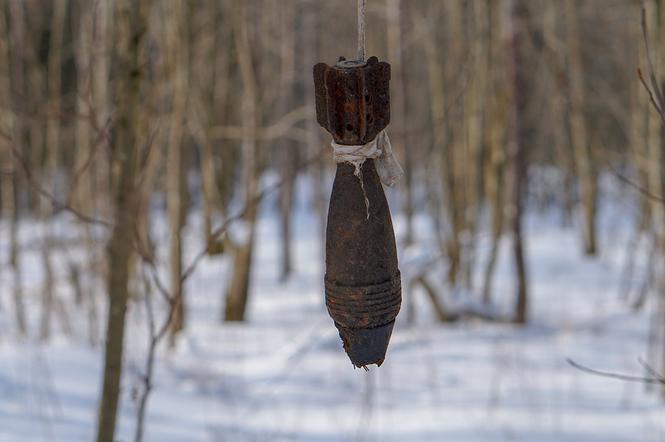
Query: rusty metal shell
pixel 362 282
pixel 353 99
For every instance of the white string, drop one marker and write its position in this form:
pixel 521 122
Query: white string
pixel 378 149
pixel 361 30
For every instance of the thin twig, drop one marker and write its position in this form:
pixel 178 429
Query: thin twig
pixel 652 96
pixel 652 71
pixel 155 337
pixel 649 369
pixel 219 231
pixel 655 94
pixel 58 206
pixel 622 377
pixel 623 178
pixel 157 334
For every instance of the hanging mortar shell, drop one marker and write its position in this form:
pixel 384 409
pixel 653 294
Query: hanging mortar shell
pixel 362 282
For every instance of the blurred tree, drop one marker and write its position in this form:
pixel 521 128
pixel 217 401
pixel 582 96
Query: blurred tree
pixel 286 149
pixel 8 179
pixel 584 161
pixel 516 33
pixel 175 27
pixel 243 244
pixel 394 38
pixel 497 121
pixel 131 28
pixel 52 154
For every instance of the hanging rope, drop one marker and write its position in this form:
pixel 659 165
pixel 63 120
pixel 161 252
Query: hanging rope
pixel 361 30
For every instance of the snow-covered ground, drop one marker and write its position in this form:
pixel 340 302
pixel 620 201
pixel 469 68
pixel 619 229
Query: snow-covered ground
pixel 283 376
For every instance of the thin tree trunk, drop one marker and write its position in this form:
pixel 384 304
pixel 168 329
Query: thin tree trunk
pixel 578 127
pixel 209 106
pixel 454 152
pixel 654 182
pixel 238 292
pixel 175 177
pixel 287 150
pixel 36 96
pixel 52 156
pixel 496 138
pixel 131 29
pixel 475 122
pixel 100 65
pixel 654 139
pixel 309 37
pixel 640 110
pixel 86 156
pixel 441 144
pixel 559 125
pixel 516 16
pixel 8 178
pixel 92 57
pixel 221 94
pixel 81 198
pixel 398 109
pixel 657 153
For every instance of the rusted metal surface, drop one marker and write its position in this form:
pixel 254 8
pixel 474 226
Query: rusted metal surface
pixel 362 282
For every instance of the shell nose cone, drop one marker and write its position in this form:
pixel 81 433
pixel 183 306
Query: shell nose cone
pixel 366 346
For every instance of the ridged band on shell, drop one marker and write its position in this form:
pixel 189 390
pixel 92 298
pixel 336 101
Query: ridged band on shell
pixel 364 307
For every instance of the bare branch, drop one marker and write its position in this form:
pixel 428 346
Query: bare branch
pixel 655 94
pixel 157 334
pixel 285 127
pixel 219 231
pixel 622 377
pixel 623 178
pixel 652 72
pixel 649 369
pixel 58 206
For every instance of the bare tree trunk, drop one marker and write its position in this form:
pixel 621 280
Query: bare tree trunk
pixel 496 138
pixel 309 37
pixel 287 149
pixel 132 25
pixel 237 295
pixel 211 83
pixel 211 198
pixel 221 96
pixel 475 122
pixel 100 65
pixel 8 177
pixel 655 15
pixel 157 96
pixel 86 156
pixel 516 32
pixel 454 152
pixel 654 140
pixel 443 146
pixel 640 110
pixel 559 125
pixel 655 178
pixel 578 128
pixel 176 15
pixel 52 156
pixel 90 184
pixel 398 108
pixel 81 193
pixel 34 96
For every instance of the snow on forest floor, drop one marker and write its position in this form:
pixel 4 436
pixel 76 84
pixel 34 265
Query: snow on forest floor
pixel 283 376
